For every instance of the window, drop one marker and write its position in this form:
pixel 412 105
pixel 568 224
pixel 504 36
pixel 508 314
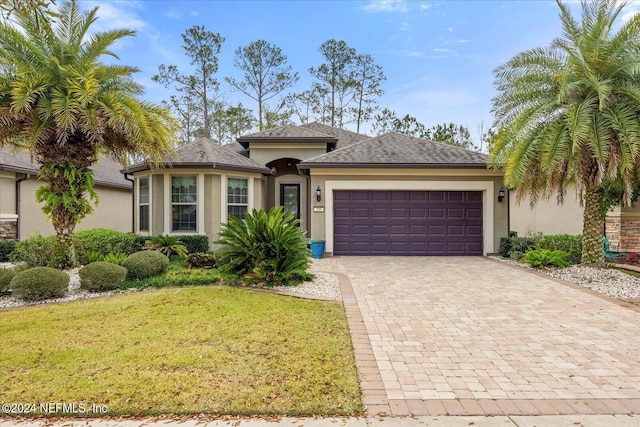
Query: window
pixel 184 203
pixel 143 204
pixel 237 197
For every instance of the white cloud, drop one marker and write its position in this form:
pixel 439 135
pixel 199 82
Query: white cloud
pixel 386 6
pixel 442 50
pixel 425 6
pixel 116 16
pixel 459 41
pixel 408 53
pixel 404 26
pixel 449 30
pixel 174 14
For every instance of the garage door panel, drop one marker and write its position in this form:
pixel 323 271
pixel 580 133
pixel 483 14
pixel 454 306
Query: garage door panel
pixel 436 213
pixel 407 223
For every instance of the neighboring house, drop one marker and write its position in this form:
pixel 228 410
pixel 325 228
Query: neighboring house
pixel 21 216
pixel 391 194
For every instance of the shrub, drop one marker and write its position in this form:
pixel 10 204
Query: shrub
pixel 195 244
pixel 266 248
pixel 633 258
pixel 6 274
pixel 572 244
pixel 105 241
pixel 504 250
pixel 142 265
pixel 541 258
pixel 94 256
pixel 101 276
pixel 6 248
pixel 169 245
pixel 40 283
pixel 116 258
pixel 520 246
pixel 201 260
pixel 35 251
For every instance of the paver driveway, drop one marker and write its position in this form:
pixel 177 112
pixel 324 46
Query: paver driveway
pixel 468 335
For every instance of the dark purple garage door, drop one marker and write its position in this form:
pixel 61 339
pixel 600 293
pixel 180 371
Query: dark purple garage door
pixel 407 223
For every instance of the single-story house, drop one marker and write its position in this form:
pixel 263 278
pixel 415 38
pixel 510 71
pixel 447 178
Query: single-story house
pixel 21 216
pixel 390 194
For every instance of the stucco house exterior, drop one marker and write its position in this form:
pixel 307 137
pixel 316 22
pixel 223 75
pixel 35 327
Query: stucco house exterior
pixel 21 216
pixel 390 194
pixel 622 225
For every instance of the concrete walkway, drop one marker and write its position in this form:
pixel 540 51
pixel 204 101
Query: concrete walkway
pixel 415 421
pixel 471 336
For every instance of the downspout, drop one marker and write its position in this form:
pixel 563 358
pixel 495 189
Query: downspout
pixel 128 177
pixel 26 177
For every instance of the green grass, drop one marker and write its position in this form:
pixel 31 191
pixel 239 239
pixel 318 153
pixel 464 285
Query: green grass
pixel 183 350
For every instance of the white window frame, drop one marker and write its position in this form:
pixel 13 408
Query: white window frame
pixel 226 195
pixel 196 204
pixel 148 204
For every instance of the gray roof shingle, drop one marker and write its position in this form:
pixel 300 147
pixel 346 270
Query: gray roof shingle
pixel 345 137
pixel 394 149
pixel 205 153
pixel 287 133
pixel 106 171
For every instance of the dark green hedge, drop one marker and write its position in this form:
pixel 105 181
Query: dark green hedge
pixel 6 248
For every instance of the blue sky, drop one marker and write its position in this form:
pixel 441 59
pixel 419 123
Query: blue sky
pixel 438 56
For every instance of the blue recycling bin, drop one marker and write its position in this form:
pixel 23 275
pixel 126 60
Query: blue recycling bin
pixel 317 249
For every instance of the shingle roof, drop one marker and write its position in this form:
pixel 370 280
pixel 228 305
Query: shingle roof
pixel 205 153
pixel 106 171
pixel 288 133
pixel 394 149
pixel 345 137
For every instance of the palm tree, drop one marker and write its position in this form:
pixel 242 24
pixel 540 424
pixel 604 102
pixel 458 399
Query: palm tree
pixel 570 112
pixel 59 102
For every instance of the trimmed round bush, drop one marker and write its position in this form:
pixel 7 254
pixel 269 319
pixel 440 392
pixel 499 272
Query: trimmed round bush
pixel 40 283
pixel 6 275
pixel 142 265
pixel 101 276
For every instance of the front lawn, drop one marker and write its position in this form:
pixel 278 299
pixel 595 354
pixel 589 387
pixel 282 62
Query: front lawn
pixel 182 350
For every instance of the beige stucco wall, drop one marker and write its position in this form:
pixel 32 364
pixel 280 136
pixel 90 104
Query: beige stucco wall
pixel 113 211
pixel 489 182
pixel 7 193
pixel 212 198
pixel 547 216
pixel 264 153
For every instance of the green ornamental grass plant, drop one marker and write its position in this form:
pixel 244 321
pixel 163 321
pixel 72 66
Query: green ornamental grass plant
pixel 267 248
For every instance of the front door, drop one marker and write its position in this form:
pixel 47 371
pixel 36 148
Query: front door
pixel 290 198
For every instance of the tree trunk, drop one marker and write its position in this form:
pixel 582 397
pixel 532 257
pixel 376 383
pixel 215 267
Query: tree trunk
pixel 592 233
pixel 65 170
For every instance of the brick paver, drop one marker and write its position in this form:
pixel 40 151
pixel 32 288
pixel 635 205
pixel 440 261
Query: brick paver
pixel 470 336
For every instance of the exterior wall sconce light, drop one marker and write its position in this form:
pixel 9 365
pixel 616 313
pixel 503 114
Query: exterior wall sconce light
pixel 501 195
pixel 318 193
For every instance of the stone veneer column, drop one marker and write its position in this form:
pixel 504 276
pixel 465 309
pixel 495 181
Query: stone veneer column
pixel 8 227
pixel 623 231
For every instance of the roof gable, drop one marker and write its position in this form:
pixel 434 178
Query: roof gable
pixel 205 153
pixel 398 150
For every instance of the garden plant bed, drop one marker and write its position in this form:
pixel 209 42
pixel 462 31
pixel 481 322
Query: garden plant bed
pixel 183 350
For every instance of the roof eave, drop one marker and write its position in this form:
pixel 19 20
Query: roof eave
pixel 393 165
pixel 198 165
pixel 245 141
